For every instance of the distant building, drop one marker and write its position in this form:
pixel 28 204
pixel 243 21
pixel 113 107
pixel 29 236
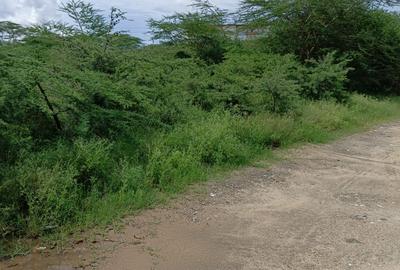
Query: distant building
pixel 242 32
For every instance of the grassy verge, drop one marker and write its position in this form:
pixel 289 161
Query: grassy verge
pixel 192 152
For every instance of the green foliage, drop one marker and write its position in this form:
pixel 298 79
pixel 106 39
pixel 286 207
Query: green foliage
pixel 307 27
pixel 243 84
pixel 11 32
pixel 311 28
pixel 49 187
pixel 93 125
pixel 89 21
pixel 264 130
pixel 172 170
pixel 201 30
pixel 326 78
pixel 215 144
pixel 282 92
pixel 376 59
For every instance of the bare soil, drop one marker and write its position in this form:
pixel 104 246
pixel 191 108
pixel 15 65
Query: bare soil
pixel 334 206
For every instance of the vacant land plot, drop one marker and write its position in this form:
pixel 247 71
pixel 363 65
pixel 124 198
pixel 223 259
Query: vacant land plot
pixel 332 206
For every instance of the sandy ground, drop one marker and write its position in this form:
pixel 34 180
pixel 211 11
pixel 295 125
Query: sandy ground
pixel 333 206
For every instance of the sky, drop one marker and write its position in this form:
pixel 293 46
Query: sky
pixel 37 11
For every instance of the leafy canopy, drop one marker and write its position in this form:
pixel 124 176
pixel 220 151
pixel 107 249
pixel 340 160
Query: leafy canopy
pixel 359 29
pixel 202 30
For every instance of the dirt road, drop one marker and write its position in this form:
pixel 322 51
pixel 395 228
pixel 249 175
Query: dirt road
pixel 333 206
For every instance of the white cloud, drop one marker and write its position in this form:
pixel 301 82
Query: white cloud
pixel 28 11
pixel 36 11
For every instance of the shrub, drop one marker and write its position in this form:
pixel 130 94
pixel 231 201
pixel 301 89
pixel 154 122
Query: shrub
pixel 170 169
pixel 50 187
pixel 282 93
pixel 52 196
pixel 252 82
pixel 264 130
pixel 324 115
pixel 326 78
pixel 182 155
pixel 131 178
pixel 92 160
pixel 211 139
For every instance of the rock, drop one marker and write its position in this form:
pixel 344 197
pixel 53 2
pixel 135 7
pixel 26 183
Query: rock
pixel 352 241
pixel 360 217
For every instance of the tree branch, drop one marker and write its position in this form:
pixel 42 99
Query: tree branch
pixel 50 106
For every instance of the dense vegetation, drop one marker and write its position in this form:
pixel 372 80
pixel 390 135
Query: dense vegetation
pixel 94 124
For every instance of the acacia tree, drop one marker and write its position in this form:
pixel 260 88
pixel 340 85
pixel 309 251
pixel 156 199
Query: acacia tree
pixel 312 28
pixel 11 32
pixel 89 21
pixel 306 27
pixel 96 34
pixel 202 30
pixel 58 81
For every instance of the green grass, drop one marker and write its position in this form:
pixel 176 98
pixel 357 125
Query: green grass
pixel 203 147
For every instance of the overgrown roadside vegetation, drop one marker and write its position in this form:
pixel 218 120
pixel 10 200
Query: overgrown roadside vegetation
pixel 95 125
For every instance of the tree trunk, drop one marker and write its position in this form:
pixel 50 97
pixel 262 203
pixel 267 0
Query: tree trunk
pixel 57 121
